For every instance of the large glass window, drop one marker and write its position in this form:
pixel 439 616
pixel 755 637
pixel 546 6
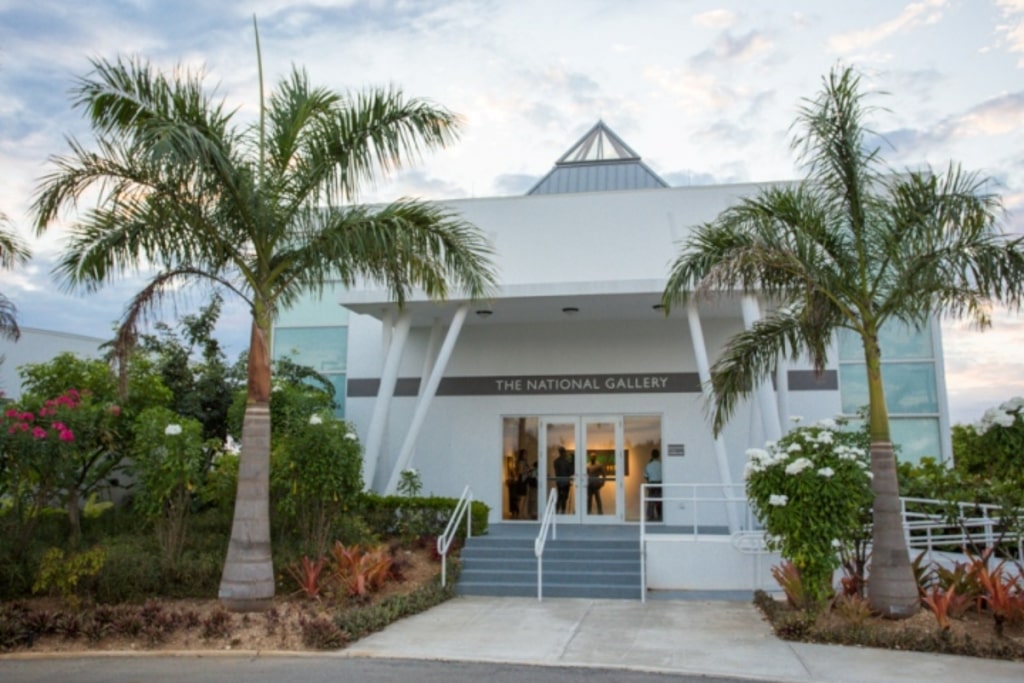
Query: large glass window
pixel 325 349
pixel 911 391
pixel 519 468
pixel 909 387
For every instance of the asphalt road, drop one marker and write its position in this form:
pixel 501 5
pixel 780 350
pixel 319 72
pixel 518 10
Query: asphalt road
pixel 310 669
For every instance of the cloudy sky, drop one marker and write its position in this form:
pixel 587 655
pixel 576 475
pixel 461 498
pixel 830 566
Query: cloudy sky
pixel 704 91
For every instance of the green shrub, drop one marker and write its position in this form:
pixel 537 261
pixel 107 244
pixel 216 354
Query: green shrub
pixel 360 622
pixel 412 518
pixel 63 574
pixel 317 470
pixel 169 462
pixel 132 571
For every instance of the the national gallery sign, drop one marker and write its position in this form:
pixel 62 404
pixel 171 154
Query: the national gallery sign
pixel 521 385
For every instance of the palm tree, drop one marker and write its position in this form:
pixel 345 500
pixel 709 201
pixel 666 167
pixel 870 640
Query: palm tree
pixel 265 211
pixel 851 247
pixel 12 252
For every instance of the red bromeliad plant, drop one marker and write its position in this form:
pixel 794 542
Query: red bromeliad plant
pixel 945 604
pixel 360 571
pixel 307 575
pixel 1002 594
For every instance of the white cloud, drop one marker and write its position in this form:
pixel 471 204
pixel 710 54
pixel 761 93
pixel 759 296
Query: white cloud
pixel 913 15
pixel 1013 29
pixel 718 18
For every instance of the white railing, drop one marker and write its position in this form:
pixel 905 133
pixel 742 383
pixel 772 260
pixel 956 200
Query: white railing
pixel 463 508
pixel 936 525
pixel 546 522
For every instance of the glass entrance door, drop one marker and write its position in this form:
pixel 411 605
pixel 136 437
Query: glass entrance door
pixel 581 458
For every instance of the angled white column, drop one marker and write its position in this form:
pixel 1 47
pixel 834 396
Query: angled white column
pixel 769 409
pixel 782 394
pixel 430 355
pixel 427 394
pixel 700 352
pixel 385 392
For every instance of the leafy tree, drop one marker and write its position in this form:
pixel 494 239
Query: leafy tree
pixel 265 210
pixel 852 246
pixel 12 252
pixel 298 392
pixel 81 394
pixel 193 366
pixel 994 446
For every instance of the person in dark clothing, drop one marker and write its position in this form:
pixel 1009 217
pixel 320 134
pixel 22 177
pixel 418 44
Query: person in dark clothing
pixel 652 475
pixel 595 480
pixel 563 479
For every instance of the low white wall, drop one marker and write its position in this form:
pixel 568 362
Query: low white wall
pixel 685 562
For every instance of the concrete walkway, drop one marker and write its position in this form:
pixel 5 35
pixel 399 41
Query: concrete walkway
pixel 714 638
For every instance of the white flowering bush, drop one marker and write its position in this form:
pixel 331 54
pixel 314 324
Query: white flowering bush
pixel 994 446
pixel 811 490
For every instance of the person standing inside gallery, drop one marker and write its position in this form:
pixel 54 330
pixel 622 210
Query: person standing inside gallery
pixel 563 479
pixel 652 475
pixel 595 480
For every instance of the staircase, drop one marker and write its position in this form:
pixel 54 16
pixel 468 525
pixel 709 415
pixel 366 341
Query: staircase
pixel 583 562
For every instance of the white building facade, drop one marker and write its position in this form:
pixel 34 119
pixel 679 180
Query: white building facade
pixel 574 352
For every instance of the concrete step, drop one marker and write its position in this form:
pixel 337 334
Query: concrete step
pixel 587 565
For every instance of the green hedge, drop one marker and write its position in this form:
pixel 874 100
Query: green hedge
pixel 414 517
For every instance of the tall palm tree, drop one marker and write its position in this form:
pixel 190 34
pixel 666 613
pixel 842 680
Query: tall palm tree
pixel 265 211
pixel 851 247
pixel 12 252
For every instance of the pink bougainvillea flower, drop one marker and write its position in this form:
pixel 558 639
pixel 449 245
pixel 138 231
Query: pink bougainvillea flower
pixel 67 435
pixel 27 417
pixel 23 426
pixel 59 426
pixel 12 412
pixel 39 433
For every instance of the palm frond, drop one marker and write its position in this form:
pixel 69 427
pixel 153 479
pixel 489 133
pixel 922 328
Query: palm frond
pixel 9 319
pixel 752 356
pixel 404 246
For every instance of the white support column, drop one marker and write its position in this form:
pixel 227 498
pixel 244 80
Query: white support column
pixel 765 397
pixel 430 355
pixel 385 393
pixel 700 352
pixel 426 397
pixel 782 394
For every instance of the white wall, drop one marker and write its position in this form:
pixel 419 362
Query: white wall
pixel 461 439
pixel 39 346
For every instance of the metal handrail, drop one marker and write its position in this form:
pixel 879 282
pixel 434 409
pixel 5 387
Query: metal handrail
pixel 444 541
pixel 546 522
pixel 926 530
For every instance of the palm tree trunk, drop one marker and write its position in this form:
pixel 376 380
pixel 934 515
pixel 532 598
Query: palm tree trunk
pixel 892 589
pixel 247 584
